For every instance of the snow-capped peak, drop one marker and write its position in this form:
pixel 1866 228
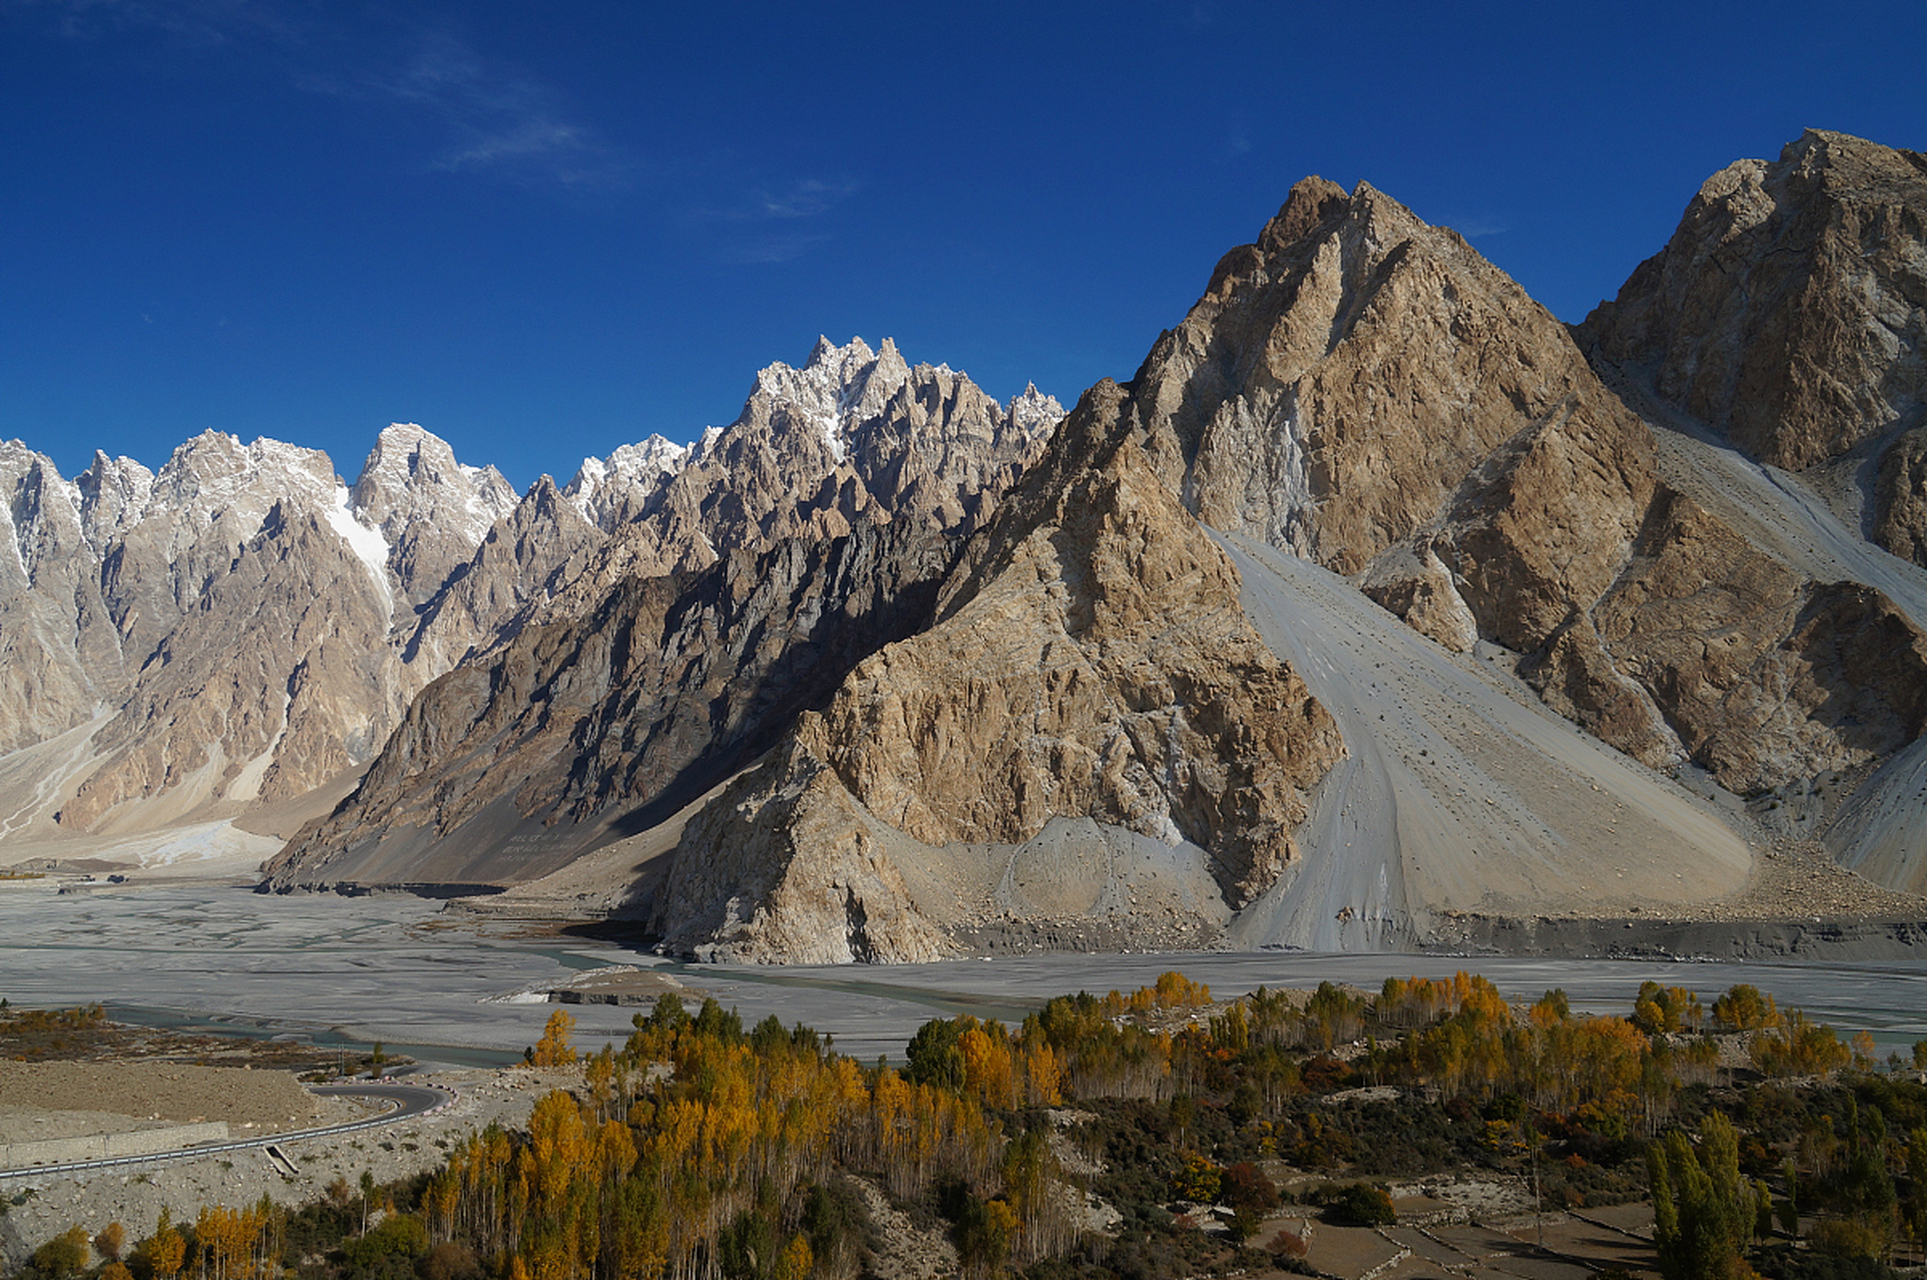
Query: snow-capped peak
pixel 1034 413
pixel 602 486
pixel 412 476
pixel 830 384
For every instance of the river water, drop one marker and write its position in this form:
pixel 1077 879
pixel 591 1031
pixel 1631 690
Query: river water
pixel 391 968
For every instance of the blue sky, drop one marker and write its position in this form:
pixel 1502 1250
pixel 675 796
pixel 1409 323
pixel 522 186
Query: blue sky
pixel 545 230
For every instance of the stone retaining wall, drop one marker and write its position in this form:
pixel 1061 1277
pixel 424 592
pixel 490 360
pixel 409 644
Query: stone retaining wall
pixel 109 1146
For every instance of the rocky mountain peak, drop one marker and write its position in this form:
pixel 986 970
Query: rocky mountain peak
pixel 113 494
pixel 831 385
pixel 608 491
pixel 1033 412
pixel 1340 375
pixel 1826 346
pixel 411 474
pixel 428 511
pixel 1312 200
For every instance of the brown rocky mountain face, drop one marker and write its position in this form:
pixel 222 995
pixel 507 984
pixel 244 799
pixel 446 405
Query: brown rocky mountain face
pixel 59 648
pixel 1341 378
pixel 1368 392
pixel 1089 661
pixel 580 730
pixel 1822 350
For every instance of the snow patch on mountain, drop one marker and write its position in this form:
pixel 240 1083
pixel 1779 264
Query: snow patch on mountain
pixel 368 545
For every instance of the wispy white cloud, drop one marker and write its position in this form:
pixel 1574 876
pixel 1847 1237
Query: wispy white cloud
pixel 503 121
pixel 806 198
pixel 498 119
pixel 769 223
pixel 1477 227
pixel 772 248
pixel 800 198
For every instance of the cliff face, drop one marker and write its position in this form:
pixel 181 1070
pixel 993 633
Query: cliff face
pixel 504 769
pixel 1825 344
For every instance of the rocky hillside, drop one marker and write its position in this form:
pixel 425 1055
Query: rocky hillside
pixel 1785 323
pixel 584 729
pixel 1419 421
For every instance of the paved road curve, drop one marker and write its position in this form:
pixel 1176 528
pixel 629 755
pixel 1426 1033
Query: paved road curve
pixel 410 1100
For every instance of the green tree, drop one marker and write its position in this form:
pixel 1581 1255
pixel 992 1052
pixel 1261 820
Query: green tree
pixel 748 1247
pixel 935 1053
pixel 1703 1210
pixel 1361 1204
pixel 393 1250
pixel 1789 1206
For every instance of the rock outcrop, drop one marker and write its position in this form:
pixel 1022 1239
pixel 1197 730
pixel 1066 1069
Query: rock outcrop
pixel 1790 307
pixel 1900 497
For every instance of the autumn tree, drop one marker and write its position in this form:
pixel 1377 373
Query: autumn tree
pixel 166 1249
pixel 1799 1046
pixel 554 1048
pixel 1743 1008
pixel 1661 1010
